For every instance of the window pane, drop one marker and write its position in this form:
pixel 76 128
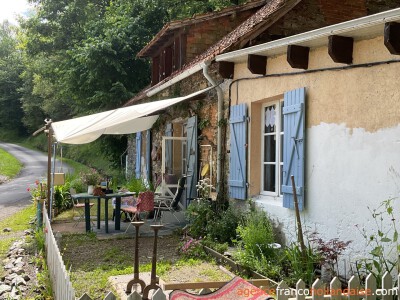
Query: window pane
pixel 269 148
pixel 281 148
pixel 281 116
pixel 269 119
pixel 269 178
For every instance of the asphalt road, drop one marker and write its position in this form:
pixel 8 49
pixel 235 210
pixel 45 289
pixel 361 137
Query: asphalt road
pixel 14 194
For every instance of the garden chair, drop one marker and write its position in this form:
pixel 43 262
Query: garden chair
pixel 79 208
pixel 168 204
pixel 144 204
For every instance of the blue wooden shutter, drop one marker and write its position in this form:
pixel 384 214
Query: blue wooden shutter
pixel 148 154
pixel 238 149
pixel 168 150
pixel 191 169
pixel 293 146
pixel 138 153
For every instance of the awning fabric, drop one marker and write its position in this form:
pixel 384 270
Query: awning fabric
pixel 123 120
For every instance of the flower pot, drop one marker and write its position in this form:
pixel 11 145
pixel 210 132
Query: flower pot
pixel 90 189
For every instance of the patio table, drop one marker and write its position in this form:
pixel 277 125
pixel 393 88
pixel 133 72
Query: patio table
pixel 106 197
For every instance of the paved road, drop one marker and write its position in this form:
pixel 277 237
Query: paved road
pixel 14 194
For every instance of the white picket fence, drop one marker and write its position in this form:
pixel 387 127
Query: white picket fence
pixel 63 290
pixel 334 291
pixel 61 283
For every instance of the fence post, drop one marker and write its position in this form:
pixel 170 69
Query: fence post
pixel 282 291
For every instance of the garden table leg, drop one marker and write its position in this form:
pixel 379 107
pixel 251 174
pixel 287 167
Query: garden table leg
pixel 106 213
pixel 87 214
pixel 98 212
pixel 118 213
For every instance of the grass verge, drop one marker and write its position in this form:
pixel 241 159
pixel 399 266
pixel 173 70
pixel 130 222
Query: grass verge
pixel 9 165
pixel 17 223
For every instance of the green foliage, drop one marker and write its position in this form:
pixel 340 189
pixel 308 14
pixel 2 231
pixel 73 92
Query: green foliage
pixel 383 243
pixel 255 234
pixel 199 214
pixel 90 177
pixel 301 265
pixel 255 244
pixel 10 82
pixel 222 227
pixel 9 165
pixel 192 248
pixel 136 185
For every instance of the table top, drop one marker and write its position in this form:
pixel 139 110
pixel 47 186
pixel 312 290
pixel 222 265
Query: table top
pixel 106 196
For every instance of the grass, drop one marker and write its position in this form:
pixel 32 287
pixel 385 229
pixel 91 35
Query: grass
pixel 9 165
pixel 17 223
pixel 91 262
pixel 70 214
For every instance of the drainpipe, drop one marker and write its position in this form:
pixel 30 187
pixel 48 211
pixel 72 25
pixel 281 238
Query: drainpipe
pixel 220 95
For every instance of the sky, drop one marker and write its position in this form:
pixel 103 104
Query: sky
pixel 10 8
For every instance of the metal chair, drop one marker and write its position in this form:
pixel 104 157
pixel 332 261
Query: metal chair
pixel 79 208
pixel 168 204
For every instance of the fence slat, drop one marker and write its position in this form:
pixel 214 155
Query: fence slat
pixel 300 286
pixel 387 285
pixel 336 289
pixel 370 287
pixel 204 291
pixel 110 296
pixel 318 290
pixel 134 296
pixel 282 291
pixel 354 285
pixel 85 297
pixel 159 295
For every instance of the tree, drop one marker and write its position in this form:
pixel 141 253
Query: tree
pixel 10 70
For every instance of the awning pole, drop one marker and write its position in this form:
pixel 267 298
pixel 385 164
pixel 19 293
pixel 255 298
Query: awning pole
pixel 49 131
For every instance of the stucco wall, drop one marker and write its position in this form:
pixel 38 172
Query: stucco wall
pixel 352 141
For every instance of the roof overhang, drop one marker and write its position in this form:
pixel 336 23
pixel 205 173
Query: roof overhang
pixel 125 120
pixel 359 29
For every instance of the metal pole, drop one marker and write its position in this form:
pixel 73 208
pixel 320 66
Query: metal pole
pixel 154 280
pixel 136 278
pixel 49 142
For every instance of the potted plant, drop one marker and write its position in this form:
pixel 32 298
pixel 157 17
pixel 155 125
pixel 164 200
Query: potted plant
pixel 91 178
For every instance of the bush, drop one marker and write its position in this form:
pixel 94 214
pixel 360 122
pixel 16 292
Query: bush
pixel 299 265
pixel 199 214
pixel 222 227
pixel 256 234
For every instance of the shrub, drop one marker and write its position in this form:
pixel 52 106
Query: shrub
pixel 192 248
pixel 199 214
pixel 222 227
pixel 299 265
pixel 256 234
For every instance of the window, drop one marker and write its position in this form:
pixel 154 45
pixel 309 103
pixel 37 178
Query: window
pixel 272 148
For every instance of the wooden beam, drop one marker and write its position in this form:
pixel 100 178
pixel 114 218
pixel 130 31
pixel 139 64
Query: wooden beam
pixel 257 64
pixel 340 49
pixel 297 56
pixel 392 37
pixel 211 284
pixel 226 69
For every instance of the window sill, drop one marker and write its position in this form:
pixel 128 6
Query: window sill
pixel 269 200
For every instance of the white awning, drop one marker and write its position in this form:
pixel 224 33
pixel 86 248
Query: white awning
pixel 123 120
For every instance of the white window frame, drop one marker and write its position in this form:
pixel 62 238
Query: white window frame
pixel 278 138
